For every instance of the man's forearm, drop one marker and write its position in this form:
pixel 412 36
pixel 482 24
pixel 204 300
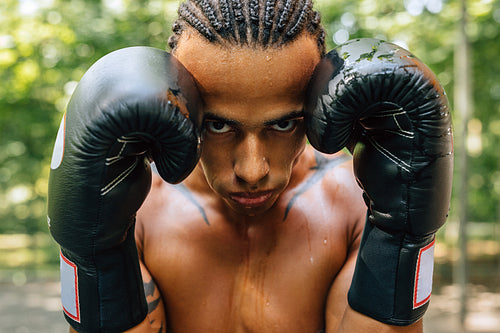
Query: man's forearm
pixel 353 322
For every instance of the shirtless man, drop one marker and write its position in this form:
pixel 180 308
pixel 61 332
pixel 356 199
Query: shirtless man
pixel 264 234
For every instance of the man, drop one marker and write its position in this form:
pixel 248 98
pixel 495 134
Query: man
pixel 264 234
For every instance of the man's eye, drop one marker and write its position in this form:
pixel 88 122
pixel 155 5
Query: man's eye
pixel 284 126
pixel 218 127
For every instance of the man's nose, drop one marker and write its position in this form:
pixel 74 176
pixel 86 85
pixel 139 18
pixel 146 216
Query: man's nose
pixel 251 164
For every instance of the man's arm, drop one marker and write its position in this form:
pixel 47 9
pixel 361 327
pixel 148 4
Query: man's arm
pixel 156 309
pixel 356 322
pixel 340 317
pixel 155 321
pixel 389 110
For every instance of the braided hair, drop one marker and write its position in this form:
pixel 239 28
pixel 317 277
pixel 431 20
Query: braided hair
pixel 255 23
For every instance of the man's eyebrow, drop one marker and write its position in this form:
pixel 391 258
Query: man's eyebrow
pixel 231 122
pixel 213 117
pixel 289 116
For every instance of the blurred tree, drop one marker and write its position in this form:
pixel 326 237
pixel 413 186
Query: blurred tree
pixel 47 45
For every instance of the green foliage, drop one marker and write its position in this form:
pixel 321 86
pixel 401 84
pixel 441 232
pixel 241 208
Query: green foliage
pixel 47 45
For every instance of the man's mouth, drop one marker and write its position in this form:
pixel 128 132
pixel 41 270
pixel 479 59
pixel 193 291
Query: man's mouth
pixel 251 199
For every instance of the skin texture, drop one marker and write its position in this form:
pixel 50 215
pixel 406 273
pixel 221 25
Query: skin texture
pixel 263 235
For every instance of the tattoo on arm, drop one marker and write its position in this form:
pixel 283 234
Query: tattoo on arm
pixel 149 288
pixel 323 164
pixel 152 305
pixel 160 330
pixel 151 291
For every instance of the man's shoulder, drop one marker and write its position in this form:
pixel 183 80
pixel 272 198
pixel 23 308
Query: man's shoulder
pixel 168 204
pixel 328 188
pixel 338 165
pixel 342 195
pixel 334 173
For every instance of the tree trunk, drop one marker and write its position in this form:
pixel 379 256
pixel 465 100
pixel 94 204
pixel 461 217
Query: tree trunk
pixel 463 106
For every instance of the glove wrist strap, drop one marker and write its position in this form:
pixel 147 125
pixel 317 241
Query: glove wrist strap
pixel 392 281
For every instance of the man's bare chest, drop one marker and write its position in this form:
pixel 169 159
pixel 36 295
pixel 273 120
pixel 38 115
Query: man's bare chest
pixel 251 283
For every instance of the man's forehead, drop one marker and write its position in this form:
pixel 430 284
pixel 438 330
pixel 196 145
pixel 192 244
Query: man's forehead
pixel 255 73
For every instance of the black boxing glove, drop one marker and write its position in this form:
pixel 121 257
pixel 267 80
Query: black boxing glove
pixel 389 110
pixel 132 105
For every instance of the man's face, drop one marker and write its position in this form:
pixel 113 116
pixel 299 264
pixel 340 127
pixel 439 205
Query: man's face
pixel 253 103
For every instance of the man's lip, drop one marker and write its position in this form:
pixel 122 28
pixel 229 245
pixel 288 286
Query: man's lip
pixel 251 199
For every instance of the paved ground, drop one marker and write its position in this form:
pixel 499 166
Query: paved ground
pixel 483 312
pixel 32 307
pixel 35 307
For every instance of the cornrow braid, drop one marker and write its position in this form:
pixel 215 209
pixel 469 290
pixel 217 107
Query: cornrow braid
pixel 268 20
pixel 285 13
pixel 210 13
pixel 189 15
pixel 253 7
pixel 300 22
pixel 240 21
pixel 254 10
pixel 225 11
pixel 286 10
pixel 258 23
